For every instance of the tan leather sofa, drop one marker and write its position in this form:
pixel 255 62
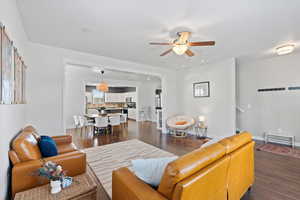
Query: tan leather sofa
pixel 221 171
pixel 26 158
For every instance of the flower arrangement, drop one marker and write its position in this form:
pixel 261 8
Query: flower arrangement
pixel 52 171
pixel 56 175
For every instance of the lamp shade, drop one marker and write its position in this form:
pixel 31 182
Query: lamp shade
pixel 201 118
pixel 102 87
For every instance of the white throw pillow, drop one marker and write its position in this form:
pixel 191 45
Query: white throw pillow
pixel 151 170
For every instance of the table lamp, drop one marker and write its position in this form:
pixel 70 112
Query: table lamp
pixel 201 119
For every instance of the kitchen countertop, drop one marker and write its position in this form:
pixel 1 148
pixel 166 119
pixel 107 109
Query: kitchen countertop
pixel 115 108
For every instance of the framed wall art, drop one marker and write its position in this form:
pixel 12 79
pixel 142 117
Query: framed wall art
pixel 18 77
pixel 201 89
pixel 24 67
pixel 7 69
pixel 1 30
pixel 12 72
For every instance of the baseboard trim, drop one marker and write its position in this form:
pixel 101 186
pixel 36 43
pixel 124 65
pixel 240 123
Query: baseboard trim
pixel 258 138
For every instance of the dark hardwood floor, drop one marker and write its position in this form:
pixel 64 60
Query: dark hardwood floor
pixel 276 177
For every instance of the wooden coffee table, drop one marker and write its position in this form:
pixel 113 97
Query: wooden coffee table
pixel 84 187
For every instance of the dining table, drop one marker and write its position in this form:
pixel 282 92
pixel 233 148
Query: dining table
pixel 93 116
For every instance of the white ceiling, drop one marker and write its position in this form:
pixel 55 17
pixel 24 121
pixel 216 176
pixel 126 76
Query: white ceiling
pixel 123 29
pixel 114 74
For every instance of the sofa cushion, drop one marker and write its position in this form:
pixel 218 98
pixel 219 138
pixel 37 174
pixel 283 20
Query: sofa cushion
pixel 236 141
pixel 151 170
pixel 187 165
pixel 47 146
pixel 26 146
pixel 65 148
pixel 182 122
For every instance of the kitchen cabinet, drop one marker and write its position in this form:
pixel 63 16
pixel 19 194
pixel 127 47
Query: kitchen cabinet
pixel 134 98
pixel 107 97
pixel 89 97
pixel 114 97
pixel 122 97
pixel 132 113
pixel 132 95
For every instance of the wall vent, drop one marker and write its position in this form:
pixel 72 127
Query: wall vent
pixel 271 89
pixel 294 88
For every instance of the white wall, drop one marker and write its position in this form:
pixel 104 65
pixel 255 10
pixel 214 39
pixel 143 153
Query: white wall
pixel 269 111
pixel 12 120
pixel 74 93
pixel 12 117
pixel 219 108
pixel 46 82
pixel 169 97
pixel 147 97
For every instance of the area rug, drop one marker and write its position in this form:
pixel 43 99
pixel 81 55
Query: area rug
pixel 279 149
pixel 104 159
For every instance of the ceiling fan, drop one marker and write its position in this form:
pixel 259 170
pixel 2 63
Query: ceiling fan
pixel 181 44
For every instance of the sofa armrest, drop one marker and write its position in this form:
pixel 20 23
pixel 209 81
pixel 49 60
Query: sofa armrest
pixel 24 178
pixel 73 162
pixel 126 186
pixel 62 139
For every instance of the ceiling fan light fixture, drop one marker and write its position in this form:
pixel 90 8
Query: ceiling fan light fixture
pixel 180 49
pixel 285 49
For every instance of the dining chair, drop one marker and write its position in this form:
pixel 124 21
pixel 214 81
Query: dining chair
pixel 92 111
pixel 85 123
pixel 114 120
pixel 123 118
pixel 76 121
pixel 101 123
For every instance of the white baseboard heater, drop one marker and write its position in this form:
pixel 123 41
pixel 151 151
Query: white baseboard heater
pixel 280 139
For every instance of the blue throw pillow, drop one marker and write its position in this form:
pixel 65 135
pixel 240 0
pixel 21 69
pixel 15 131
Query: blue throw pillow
pixel 47 146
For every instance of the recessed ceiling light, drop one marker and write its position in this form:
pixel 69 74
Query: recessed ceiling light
pixel 148 78
pixel 285 49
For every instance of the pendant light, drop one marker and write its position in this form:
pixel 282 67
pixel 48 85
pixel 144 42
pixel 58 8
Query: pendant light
pixel 102 86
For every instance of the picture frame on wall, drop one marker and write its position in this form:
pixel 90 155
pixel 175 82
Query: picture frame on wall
pixel 18 77
pixel 201 89
pixel 24 68
pixel 12 71
pixel 7 69
pixel 1 30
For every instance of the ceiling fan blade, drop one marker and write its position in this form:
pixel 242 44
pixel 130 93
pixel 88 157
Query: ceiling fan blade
pixel 166 52
pixel 189 53
pixel 207 43
pixel 183 37
pixel 160 43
